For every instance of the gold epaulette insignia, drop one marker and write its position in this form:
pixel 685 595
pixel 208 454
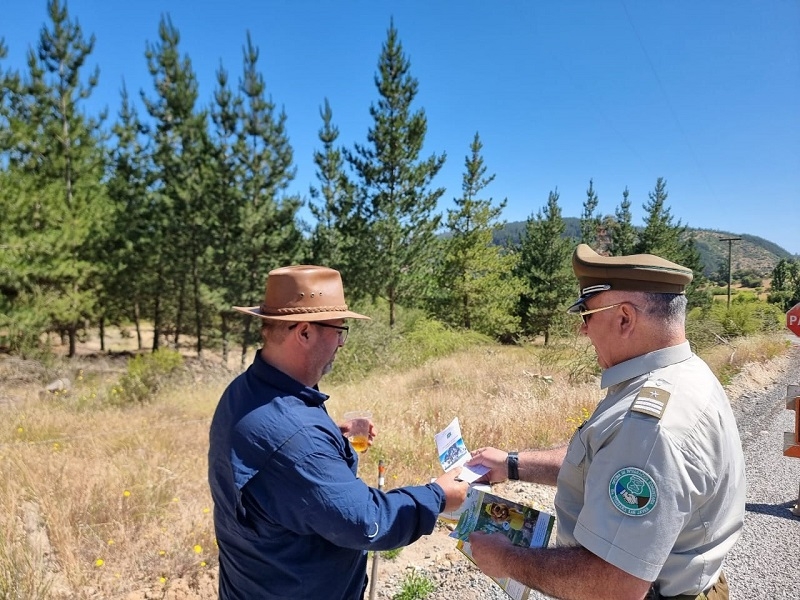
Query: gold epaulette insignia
pixel 651 401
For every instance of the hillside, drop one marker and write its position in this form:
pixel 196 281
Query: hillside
pixel 751 253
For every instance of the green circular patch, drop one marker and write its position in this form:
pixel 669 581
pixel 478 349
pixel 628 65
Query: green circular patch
pixel 633 492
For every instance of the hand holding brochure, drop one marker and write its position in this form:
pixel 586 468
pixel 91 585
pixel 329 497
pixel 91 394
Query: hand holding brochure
pixel 453 453
pixel 487 512
pixel 523 525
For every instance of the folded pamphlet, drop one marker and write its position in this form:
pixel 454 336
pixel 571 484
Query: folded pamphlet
pixel 484 511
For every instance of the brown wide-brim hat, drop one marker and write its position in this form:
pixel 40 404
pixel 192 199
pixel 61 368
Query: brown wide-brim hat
pixel 632 273
pixel 302 293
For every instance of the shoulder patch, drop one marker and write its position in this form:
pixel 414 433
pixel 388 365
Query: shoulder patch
pixel 651 400
pixel 633 492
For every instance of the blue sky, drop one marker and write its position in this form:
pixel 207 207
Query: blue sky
pixel 705 94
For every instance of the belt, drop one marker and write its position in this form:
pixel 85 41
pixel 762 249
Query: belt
pixel 718 591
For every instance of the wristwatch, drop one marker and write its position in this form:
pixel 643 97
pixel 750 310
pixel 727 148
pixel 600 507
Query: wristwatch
pixel 513 465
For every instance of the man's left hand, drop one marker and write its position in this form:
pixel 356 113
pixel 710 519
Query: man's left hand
pixel 344 427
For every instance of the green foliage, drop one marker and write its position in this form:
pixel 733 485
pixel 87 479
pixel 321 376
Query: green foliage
pixel 145 376
pixel 374 345
pixel 785 285
pixel 544 267
pixel 54 208
pixel 748 278
pixel 332 202
pixel 667 239
pixel 391 554
pixel 21 324
pixel 623 233
pixel 429 339
pixel 702 330
pixel 590 221
pixel 720 291
pixel 397 243
pixel 476 288
pixel 746 317
pixel 415 587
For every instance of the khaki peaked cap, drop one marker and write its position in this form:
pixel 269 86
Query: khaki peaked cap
pixel 302 293
pixel 633 273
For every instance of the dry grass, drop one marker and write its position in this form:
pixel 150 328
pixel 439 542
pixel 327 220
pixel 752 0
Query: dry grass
pixel 113 502
pixel 99 503
pixel 489 390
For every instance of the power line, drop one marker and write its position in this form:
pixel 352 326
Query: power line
pixel 667 100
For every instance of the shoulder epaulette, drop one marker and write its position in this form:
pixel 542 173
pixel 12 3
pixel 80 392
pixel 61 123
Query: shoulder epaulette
pixel 651 400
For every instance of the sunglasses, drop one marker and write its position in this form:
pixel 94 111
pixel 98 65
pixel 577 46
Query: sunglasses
pixel 584 312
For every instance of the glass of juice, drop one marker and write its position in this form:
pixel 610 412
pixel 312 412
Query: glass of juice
pixel 358 430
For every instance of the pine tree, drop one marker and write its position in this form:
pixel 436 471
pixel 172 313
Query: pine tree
pixel 545 268
pixel 55 163
pixel 225 280
pixel 130 246
pixel 660 235
pixel 623 233
pixel 182 158
pixel 332 202
pixel 590 222
pixel 396 204
pixel 478 290
pixel 270 236
pixel 672 241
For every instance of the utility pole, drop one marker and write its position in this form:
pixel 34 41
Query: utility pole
pixel 730 243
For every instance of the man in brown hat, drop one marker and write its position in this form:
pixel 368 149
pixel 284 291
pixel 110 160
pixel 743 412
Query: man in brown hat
pixel 651 489
pixel 292 518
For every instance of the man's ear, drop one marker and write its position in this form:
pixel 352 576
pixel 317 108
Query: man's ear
pixel 627 319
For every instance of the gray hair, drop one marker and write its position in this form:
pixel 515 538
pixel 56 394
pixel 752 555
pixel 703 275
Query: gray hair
pixel 670 308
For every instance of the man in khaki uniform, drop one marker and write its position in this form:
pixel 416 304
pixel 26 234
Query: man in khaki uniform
pixel 651 488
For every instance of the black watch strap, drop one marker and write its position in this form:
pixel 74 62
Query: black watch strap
pixel 513 465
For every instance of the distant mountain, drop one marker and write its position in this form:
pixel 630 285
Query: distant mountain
pixel 751 253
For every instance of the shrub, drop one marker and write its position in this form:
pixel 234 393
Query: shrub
pixel 415 587
pixel 415 338
pixel 747 318
pixel 391 554
pixel 146 374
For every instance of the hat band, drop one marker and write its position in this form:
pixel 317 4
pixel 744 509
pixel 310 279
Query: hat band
pixel 302 310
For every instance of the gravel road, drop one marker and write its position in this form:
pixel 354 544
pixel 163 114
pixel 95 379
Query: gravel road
pixel 765 564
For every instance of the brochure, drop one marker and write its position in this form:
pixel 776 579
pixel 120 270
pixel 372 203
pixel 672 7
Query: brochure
pixel 453 452
pixel 484 511
pixel 523 525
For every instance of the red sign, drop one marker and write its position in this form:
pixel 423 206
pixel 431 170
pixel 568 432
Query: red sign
pixel 793 319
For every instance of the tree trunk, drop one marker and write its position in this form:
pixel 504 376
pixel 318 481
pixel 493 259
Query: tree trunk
pixel 102 326
pixel 137 323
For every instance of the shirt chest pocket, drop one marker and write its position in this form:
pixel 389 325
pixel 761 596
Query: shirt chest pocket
pixel 576 451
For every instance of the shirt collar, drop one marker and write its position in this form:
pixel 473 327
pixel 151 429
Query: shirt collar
pixel 645 363
pixel 280 380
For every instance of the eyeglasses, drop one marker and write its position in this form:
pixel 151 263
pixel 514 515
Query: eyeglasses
pixel 343 329
pixel 584 311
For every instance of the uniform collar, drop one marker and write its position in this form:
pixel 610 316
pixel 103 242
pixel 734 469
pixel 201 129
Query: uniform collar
pixel 645 363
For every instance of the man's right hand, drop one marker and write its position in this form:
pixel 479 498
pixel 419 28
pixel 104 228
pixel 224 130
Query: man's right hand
pixel 495 460
pixel 455 491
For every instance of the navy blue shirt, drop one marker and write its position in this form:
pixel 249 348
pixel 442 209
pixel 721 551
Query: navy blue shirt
pixel 292 518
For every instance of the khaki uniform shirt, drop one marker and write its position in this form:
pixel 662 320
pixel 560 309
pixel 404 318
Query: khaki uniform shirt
pixel 654 481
